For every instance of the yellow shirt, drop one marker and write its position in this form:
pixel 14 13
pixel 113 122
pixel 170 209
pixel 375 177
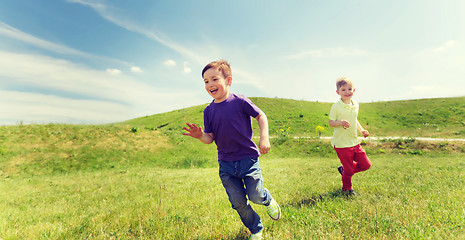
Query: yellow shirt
pixel 343 138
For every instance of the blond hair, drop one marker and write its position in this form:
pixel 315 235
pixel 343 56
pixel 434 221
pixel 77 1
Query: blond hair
pixel 343 81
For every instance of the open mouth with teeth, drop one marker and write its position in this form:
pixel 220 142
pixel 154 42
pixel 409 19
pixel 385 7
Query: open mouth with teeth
pixel 213 91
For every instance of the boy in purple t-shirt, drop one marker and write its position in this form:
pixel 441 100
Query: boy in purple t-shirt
pixel 228 122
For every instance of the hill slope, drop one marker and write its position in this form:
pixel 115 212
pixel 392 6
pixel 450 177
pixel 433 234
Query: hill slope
pixel 126 180
pixel 157 140
pixel 440 117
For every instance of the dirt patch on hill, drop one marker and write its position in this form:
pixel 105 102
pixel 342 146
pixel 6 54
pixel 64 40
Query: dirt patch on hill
pixel 414 146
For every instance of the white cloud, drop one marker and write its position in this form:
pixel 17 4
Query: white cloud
pixel 135 69
pixel 169 63
pixel 113 71
pixel 51 73
pixel 14 33
pixel 94 5
pixel 78 94
pixel 433 91
pixel 11 32
pixel 122 21
pixel 41 108
pixel 312 53
pixel 113 17
pixel 248 79
pixel 445 46
pixel 187 69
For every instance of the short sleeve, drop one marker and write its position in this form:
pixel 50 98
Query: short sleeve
pixel 207 121
pixel 333 113
pixel 250 108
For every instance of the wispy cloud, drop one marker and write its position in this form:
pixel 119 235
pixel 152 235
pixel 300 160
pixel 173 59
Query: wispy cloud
pixel 169 63
pixel 16 34
pixel 433 91
pixel 113 71
pixel 113 16
pixel 94 5
pixel 13 33
pixel 30 107
pixel 328 52
pixel 50 73
pixel 445 46
pixel 76 93
pixel 187 69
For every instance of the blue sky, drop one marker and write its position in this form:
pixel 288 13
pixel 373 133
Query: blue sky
pixel 102 61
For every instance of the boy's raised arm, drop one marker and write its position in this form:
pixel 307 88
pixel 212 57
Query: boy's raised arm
pixel 264 144
pixel 196 132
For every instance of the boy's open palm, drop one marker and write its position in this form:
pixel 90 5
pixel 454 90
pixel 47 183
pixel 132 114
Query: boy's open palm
pixel 193 130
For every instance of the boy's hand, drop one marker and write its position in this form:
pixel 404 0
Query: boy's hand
pixel 193 130
pixel 264 145
pixel 365 133
pixel 345 124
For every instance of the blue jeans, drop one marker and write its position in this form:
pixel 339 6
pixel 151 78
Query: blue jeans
pixel 241 178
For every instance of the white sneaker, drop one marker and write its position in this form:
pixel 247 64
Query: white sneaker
pixel 256 236
pixel 273 210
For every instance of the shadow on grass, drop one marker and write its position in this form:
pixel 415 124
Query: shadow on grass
pixel 312 200
pixel 309 201
pixel 241 234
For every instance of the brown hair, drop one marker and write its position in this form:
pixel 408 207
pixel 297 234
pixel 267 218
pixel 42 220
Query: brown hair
pixel 343 81
pixel 220 65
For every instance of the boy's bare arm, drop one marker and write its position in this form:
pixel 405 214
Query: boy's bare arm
pixel 362 130
pixel 343 123
pixel 264 144
pixel 196 132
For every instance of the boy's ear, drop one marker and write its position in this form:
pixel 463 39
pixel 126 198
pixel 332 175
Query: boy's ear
pixel 229 80
pixel 337 91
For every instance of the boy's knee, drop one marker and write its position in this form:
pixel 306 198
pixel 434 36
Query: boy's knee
pixel 257 199
pixel 367 166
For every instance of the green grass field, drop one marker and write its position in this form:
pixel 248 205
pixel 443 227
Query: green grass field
pixel 401 197
pixel 142 179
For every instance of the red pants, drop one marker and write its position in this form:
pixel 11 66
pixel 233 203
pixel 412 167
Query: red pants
pixel 354 159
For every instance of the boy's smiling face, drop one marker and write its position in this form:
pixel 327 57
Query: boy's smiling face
pixel 216 84
pixel 346 92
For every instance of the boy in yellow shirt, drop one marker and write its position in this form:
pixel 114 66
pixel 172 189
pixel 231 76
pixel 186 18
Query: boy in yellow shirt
pixel 343 117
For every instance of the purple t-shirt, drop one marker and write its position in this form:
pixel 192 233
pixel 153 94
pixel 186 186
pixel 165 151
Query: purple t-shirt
pixel 230 122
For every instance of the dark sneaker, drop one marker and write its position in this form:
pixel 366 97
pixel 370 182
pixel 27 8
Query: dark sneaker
pixel 339 169
pixel 349 193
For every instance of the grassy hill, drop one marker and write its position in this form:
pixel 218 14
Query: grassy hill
pixel 157 140
pixel 142 179
pixel 439 117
